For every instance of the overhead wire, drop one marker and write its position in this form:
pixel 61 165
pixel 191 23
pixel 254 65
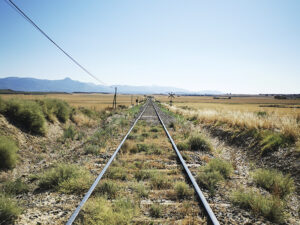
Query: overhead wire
pixel 17 9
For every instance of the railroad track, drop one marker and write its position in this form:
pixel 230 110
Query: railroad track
pixel 152 114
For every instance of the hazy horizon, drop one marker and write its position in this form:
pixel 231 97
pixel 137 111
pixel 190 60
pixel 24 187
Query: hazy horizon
pixel 245 47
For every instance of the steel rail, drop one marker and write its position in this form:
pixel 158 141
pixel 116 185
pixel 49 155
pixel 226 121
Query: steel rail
pixel 205 204
pixel 90 191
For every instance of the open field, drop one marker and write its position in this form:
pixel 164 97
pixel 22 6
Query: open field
pixel 91 101
pixel 252 104
pixel 243 112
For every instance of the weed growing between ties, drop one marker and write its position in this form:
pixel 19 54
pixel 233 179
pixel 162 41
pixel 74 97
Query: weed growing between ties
pixel 274 181
pixel 182 190
pixel 142 175
pixel 116 173
pixel 160 181
pixel 9 210
pixel 8 153
pixel 268 206
pixel 213 173
pixel 156 210
pixel 141 190
pixel 101 211
pixel 107 188
pixel 67 178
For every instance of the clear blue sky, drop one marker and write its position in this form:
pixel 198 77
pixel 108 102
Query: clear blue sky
pixel 242 46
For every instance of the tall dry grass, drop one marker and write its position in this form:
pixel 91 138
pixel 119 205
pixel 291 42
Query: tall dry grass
pixel 287 124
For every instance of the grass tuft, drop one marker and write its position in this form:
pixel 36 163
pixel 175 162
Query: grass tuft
pixel 27 115
pixel 9 210
pixel 182 190
pixel 117 173
pixel 273 141
pixel 270 207
pixel 70 132
pixel 108 188
pixel 160 181
pixel 198 143
pixel 142 175
pixel 8 153
pixel 141 191
pixel 213 173
pixel 101 211
pixel 156 210
pixel 15 187
pixel 274 181
pixel 91 149
pixel 67 178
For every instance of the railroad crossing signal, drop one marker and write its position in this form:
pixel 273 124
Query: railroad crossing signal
pixel 171 96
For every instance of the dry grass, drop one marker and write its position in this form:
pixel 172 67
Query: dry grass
pixel 243 113
pixel 91 101
pixel 83 120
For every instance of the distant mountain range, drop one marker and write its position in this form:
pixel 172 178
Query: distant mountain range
pixel 69 85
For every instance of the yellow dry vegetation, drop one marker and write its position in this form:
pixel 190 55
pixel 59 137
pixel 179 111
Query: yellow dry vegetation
pixel 246 112
pixel 91 101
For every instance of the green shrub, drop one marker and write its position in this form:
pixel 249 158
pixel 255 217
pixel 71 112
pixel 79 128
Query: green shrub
pixel 70 132
pixel 15 187
pixel 67 178
pixel 79 184
pixel 182 190
pixel 101 211
pixel 8 153
pixel 55 108
pixel 223 167
pixel 27 115
pixel 107 188
pixel 9 210
pixel 160 181
pixel 209 180
pixel 198 143
pixel 274 181
pixel 91 149
pixel 269 207
pixel 117 173
pixel 214 172
pixel 156 210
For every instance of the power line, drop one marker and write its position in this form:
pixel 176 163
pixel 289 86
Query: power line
pixel 14 6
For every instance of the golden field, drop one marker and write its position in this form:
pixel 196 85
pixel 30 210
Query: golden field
pixel 243 112
pixel 92 101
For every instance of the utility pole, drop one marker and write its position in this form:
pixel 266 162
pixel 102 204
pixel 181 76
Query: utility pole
pixel 115 99
pixel 131 100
